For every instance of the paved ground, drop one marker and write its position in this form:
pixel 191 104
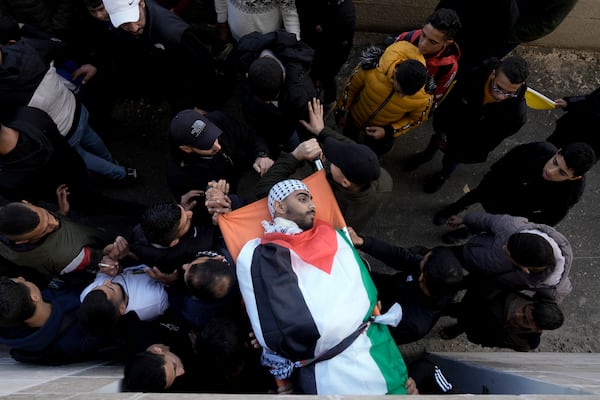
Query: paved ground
pixel 404 216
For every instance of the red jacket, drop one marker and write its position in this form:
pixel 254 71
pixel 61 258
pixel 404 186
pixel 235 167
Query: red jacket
pixel 442 66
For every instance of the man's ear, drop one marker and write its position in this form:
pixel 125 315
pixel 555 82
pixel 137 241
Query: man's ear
pixel 345 183
pixel 122 308
pixel 279 206
pixel 186 149
pixel 155 349
pixel 35 298
pixel 174 242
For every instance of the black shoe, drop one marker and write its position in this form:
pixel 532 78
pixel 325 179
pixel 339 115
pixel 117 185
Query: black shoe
pixel 457 236
pixel 434 182
pixel 415 161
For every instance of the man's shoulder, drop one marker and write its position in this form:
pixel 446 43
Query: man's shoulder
pixel 534 149
pixel 76 229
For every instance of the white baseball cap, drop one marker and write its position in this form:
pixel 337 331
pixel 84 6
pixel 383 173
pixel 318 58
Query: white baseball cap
pixel 122 11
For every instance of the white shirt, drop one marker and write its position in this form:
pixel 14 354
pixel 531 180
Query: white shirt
pixel 147 297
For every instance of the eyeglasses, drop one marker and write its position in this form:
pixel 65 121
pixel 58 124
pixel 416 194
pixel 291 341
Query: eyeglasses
pixel 498 90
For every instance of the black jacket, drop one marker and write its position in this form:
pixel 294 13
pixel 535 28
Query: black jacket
pixel 514 185
pixel 484 312
pixel 473 129
pixel 238 150
pixel 60 340
pixel 419 312
pixel 275 125
pixel 579 122
pixel 167 259
pixel 41 161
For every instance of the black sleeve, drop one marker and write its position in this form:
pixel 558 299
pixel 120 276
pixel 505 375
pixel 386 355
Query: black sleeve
pixel 285 166
pixel 394 256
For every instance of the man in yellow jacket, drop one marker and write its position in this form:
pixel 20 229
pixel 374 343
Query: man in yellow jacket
pixel 385 96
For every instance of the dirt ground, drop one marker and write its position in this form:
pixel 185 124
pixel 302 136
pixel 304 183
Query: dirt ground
pixel 405 212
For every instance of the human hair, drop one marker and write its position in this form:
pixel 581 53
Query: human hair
pixel 411 75
pixel 98 316
pixel 579 157
pixel 144 372
pixel 91 4
pixel 17 219
pixel 160 223
pixel 210 280
pixel 515 68
pixel 9 29
pixel 531 251
pixel 221 342
pixel 442 272
pixel 445 20
pixel 265 78
pixel 16 305
pixel 547 316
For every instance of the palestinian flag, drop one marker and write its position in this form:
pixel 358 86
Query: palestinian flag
pixel 306 293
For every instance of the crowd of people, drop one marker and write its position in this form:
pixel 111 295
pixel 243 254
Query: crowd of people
pixel 297 309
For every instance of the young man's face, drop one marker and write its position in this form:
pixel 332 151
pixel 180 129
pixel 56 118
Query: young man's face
pixel 185 222
pixel 432 41
pixel 216 147
pixel 99 13
pixel 502 88
pixel 48 224
pixel 298 207
pixel 173 365
pixel 556 170
pixel 422 282
pixel 523 318
pixel 136 28
pixel 115 294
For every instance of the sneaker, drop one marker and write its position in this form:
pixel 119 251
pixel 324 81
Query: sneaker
pixel 434 182
pixel 457 236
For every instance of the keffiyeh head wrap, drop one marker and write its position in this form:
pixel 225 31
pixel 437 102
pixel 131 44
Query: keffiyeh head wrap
pixel 283 189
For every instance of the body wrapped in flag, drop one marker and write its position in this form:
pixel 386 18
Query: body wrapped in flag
pixel 310 299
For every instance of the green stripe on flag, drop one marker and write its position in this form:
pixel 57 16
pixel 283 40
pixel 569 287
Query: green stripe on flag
pixel 366 278
pixel 386 355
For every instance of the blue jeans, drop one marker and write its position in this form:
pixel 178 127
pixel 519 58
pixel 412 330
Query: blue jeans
pixel 92 149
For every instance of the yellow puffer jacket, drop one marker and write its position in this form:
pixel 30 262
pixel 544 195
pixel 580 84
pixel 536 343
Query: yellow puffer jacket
pixel 372 101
